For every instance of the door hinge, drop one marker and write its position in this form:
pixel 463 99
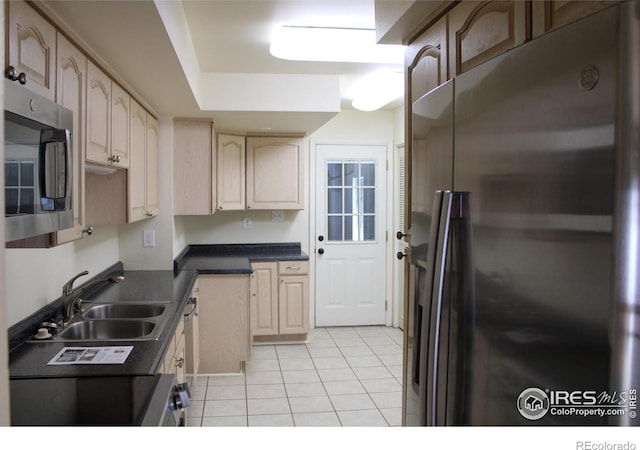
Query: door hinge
pixel 385 305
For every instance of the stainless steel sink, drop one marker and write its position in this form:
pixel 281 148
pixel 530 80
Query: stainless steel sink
pixel 123 311
pixel 109 329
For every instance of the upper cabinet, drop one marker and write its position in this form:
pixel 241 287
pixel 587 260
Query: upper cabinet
pixel 230 174
pixel 151 194
pixel 275 173
pixel 551 14
pixel 427 61
pixel 137 162
pixel 70 93
pixel 120 116
pixel 32 48
pixel 479 31
pixel 98 115
pixel 107 120
pixel 194 188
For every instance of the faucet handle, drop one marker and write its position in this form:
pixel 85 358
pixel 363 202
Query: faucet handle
pixel 68 286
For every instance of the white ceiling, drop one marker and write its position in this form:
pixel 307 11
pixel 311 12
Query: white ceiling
pixel 223 70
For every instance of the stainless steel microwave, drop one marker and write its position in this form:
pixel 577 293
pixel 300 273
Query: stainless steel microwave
pixel 38 171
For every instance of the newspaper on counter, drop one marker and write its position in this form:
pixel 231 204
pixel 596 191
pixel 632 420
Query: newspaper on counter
pixel 91 355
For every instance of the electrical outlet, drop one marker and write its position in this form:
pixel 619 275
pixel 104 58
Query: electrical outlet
pixel 246 223
pixel 149 238
pixel 277 216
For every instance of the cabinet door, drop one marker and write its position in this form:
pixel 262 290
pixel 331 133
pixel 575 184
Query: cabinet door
pixel 426 61
pixel 193 166
pixel 293 299
pixel 32 48
pixel 479 31
pixel 264 298
pixel 151 192
pixel 224 322
pixel 275 173
pixel 230 172
pixel 136 176
pixel 70 93
pixel 192 333
pixel 550 14
pixel 120 118
pixel 98 122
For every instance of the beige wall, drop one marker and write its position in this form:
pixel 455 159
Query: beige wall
pixel 34 277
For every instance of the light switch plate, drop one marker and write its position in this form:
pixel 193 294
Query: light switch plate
pixel 246 223
pixel 149 238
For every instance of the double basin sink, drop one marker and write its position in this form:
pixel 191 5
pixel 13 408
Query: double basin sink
pixel 115 321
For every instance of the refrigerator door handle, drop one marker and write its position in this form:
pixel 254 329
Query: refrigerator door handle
pixel 435 306
pixel 454 206
pixel 421 347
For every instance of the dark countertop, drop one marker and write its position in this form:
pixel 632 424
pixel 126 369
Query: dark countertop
pixel 235 258
pixel 29 358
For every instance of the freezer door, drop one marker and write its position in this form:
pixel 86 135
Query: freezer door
pixel 431 170
pixel 535 147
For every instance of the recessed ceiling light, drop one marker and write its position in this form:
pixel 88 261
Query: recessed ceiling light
pixel 327 44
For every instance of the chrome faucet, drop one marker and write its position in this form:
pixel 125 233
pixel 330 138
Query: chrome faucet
pixel 71 297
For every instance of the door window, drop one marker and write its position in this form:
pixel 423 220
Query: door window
pixel 351 201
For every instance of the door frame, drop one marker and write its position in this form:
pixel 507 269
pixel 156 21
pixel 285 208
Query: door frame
pixel 392 303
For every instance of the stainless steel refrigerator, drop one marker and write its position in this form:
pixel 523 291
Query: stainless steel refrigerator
pixel 525 235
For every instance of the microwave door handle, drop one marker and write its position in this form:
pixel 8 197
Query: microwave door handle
pixel 68 170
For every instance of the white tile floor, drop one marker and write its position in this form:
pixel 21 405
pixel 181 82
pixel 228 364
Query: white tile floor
pixel 347 376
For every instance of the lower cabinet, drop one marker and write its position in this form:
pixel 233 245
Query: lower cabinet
pixel 192 332
pixel 223 312
pixel 279 299
pixel 174 359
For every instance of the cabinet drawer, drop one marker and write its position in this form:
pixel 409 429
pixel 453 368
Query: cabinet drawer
pixel 293 267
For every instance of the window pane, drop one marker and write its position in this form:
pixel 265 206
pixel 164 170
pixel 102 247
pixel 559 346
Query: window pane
pixel 27 177
pixel 27 201
pixel 10 173
pixel 334 174
pixel 369 225
pixel 369 200
pixel 348 228
pixel 368 172
pixel 11 201
pixel 350 205
pixel 334 201
pixel 351 175
pixel 335 228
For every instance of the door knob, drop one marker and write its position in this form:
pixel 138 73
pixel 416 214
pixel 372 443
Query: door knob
pixel 321 238
pixel 400 255
pixel 320 251
pixel 400 234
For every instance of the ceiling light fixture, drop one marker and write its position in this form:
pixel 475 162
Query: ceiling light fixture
pixel 377 90
pixel 356 45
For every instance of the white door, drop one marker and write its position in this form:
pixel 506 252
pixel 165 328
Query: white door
pixel 350 235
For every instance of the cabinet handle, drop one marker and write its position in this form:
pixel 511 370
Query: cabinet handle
pixel 150 213
pixel 88 230
pixel 192 301
pixel 294 268
pixel 114 159
pixel 180 362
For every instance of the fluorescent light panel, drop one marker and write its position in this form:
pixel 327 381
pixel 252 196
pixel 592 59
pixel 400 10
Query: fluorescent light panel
pixel 377 90
pixel 352 45
pixel 327 44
